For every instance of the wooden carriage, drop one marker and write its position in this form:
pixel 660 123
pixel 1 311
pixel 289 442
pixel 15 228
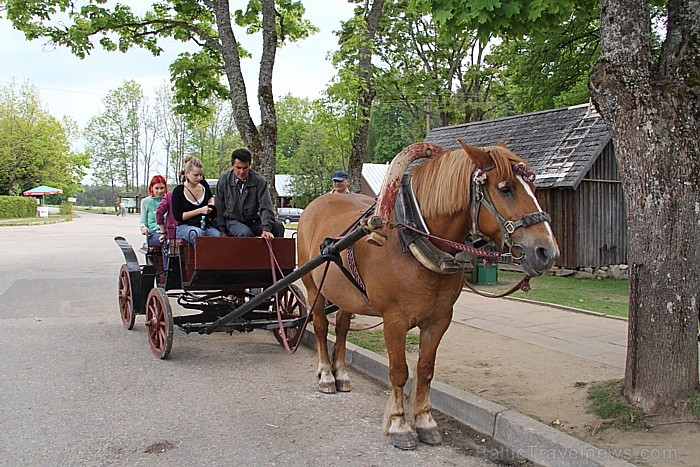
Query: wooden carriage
pixel 217 277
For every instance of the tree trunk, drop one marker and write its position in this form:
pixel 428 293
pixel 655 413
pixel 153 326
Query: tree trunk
pixel 237 90
pixel 652 108
pixel 365 97
pixel 266 99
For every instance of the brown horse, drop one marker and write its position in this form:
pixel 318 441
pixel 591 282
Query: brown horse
pixel 399 288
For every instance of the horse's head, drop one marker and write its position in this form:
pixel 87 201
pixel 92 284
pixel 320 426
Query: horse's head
pixel 504 207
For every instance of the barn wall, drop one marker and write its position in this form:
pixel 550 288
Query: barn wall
pixel 561 206
pixel 602 236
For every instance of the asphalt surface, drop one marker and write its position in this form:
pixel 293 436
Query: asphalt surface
pixel 76 388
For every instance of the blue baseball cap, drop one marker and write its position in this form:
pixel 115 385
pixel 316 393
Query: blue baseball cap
pixel 340 175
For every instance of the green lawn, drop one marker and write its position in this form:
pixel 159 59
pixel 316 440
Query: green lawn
pixel 607 296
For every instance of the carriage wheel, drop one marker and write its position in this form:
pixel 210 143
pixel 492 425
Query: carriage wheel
pixel 126 298
pixel 159 322
pixel 292 305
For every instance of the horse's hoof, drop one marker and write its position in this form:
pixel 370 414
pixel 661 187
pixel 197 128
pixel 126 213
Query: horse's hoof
pixel 343 385
pixel 404 441
pixel 430 436
pixel 326 387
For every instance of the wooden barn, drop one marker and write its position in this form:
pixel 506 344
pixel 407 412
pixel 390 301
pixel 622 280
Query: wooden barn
pixel 578 182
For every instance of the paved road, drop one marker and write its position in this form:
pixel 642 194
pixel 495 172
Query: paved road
pixel 76 388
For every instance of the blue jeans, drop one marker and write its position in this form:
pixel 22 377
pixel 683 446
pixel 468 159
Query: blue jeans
pixel 239 229
pixel 188 232
pixel 153 239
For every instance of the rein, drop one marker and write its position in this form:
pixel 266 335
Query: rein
pixel 274 267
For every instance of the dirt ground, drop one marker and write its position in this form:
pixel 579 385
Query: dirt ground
pixel 552 388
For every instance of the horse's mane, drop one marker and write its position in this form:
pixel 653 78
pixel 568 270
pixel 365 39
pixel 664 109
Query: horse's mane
pixel 442 184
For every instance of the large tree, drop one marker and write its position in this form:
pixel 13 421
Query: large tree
pixel 206 24
pixel 357 48
pixel 35 147
pixel 121 138
pixel 651 102
pixel 650 99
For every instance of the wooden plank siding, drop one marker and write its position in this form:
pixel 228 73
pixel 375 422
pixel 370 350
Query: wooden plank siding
pixel 601 206
pixel 561 206
pixel 590 222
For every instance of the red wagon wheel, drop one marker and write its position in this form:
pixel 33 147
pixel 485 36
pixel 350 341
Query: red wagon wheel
pixel 126 298
pixel 159 322
pixel 292 305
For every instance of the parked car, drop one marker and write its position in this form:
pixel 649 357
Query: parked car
pixel 288 215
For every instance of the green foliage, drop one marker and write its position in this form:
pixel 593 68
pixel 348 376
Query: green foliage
pixel 545 72
pixel 290 23
pixel 511 18
pixel 607 401
pixel 13 207
pixel 197 75
pixel 391 129
pixel 295 117
pixel 35 146
pixel 115 141
pixel 214 138
pixel 313 165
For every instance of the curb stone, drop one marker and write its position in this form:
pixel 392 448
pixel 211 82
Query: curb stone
pixel 525 436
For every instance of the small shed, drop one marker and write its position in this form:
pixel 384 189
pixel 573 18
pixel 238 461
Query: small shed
pixel 578 181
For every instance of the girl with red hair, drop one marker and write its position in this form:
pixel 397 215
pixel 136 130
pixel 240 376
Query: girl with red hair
pixel 149 227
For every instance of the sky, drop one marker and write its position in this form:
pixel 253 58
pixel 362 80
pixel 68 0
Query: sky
pixel 74 87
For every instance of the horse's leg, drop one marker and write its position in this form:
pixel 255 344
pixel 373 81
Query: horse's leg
pixel 419 403
pixel 326 381
pixel 342 378
pixel 395 424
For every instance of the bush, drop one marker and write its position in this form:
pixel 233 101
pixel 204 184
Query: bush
pixel 12 207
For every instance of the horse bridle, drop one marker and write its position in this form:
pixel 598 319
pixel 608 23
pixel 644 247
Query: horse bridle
pixel 481 196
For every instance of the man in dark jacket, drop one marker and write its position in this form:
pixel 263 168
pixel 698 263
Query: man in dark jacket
pixel 243 203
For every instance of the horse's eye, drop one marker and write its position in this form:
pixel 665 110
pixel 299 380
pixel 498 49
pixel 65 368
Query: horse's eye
pixel 505 187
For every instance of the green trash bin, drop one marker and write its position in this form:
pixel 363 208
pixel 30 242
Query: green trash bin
pixel 487 275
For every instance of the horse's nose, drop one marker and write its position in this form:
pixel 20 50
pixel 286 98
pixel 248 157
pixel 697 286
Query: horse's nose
pixel 545 256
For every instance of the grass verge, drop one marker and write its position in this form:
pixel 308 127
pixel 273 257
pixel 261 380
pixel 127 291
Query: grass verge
pixel 607 296
pixel 374 341
pixel 36 220
pixel 607 402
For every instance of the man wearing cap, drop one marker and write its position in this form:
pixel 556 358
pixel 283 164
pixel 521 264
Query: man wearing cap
pixel 341 182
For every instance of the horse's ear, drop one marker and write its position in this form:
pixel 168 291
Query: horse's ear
pixel 502 144
pixel 480 157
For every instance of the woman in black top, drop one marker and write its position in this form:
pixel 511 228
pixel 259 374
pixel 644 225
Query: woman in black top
pixel 192 203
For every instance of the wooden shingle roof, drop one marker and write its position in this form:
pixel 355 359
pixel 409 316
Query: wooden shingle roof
pixel 561 145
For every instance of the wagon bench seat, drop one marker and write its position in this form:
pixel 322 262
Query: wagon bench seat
pixel 236 263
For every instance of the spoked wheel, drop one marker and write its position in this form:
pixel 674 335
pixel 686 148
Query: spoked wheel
pixel 126 299
pixel 159 322
pixel 292 305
